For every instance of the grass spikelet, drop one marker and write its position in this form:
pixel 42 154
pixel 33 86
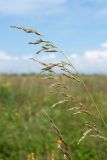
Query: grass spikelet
pixel 45 48
pixel 78 112
pixel 49 66
pixel 84 135
pixel 51 51
pixel 50 77
pixel 39 51
pixel 38 41
pixel 42 49
pixel 55 85
pixel 99 136
pixel 93 126
pixel 71 76
pixel 86 112
pixel 40 62
pixel 60 102
pixel 74 108
pixel 50 45
pixel 27 30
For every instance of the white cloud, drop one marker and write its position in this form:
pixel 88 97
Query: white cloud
pixel 73 56
pixel 91 61
pixel 95 55
pixel 6 57
pixel 23 64
pixel 23 7
pixel 104 44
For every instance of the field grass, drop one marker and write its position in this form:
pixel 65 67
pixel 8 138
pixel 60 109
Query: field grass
pixel 25 130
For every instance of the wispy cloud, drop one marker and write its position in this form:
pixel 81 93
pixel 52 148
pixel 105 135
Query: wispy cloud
pixel 27 7
pixel 22 64
pixel 104 44
pixel 91 61
pixel 5 57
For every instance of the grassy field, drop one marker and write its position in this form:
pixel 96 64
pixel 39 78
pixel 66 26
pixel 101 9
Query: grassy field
pixel 26 132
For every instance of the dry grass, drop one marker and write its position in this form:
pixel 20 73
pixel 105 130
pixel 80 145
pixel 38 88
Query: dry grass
pixel 78 108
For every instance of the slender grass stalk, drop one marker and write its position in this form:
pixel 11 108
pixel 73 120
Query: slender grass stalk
pixel 88 93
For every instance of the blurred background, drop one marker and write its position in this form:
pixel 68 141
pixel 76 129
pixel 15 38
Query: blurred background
pixel 79 28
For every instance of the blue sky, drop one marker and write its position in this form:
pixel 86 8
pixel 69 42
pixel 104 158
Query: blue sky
pixel 79 27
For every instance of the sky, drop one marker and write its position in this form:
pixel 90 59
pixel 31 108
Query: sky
pixel 78 27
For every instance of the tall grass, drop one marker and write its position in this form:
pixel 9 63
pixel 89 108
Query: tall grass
pixel 61 73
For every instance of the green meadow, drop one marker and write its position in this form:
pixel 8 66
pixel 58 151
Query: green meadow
pixel 25 130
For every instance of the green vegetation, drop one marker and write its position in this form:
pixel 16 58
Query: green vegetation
pixel 25 129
